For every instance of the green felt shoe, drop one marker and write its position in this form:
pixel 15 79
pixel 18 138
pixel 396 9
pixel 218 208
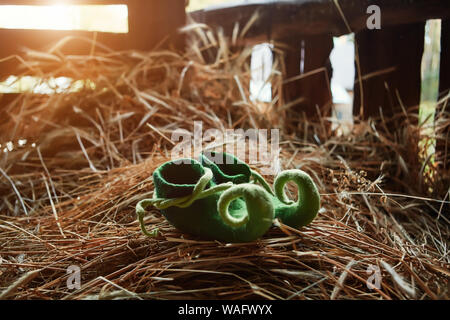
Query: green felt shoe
pixel 228 168
pixel 195 203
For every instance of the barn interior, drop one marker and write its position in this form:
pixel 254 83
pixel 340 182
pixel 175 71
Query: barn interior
pixel 92 91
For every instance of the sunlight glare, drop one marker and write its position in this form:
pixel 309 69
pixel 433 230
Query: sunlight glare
pixel 102 18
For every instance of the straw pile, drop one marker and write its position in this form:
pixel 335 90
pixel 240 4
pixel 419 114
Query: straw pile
pixel 68 194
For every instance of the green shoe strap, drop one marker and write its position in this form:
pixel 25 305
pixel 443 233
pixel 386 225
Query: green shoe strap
pixel 308 203
pixel 140 211
pixel 199 192
pixel 258 214
pixel 259 178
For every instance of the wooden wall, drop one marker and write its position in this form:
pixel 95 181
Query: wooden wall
pixel 391 60
pixel 397 46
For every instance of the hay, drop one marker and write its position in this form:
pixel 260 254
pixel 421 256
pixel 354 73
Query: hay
pixel 68 195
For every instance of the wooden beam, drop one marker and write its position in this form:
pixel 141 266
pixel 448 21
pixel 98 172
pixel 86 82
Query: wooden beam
pixel 154 21
pixel 16 41
pixel 311 17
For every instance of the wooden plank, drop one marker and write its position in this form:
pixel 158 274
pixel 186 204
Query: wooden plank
pixel 444 81
pixel 312 17
pixel 153 21
pixel 17 40
pixel 390 61
pixel 443 128
pixel 313 89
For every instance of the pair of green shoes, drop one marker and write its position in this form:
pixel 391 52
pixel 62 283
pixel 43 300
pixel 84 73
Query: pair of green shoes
pixel 220 198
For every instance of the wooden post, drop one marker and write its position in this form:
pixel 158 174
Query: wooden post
pixel 390 61
pixel 312 86
pixel 443 127
pixel 444 82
